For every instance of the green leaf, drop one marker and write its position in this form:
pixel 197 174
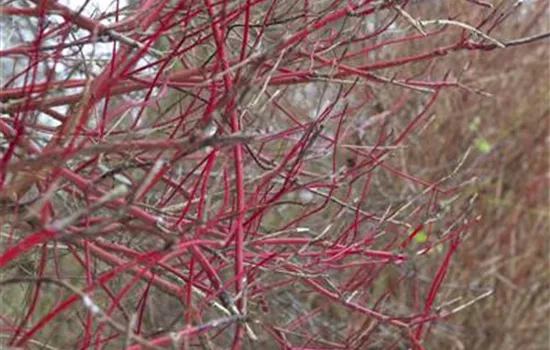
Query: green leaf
pixel 483 145
pixel 474 124
pixel 421 237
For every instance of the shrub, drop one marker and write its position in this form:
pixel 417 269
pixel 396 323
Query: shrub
pixel 240 174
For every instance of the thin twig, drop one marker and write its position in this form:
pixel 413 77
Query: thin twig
pixel 462 25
